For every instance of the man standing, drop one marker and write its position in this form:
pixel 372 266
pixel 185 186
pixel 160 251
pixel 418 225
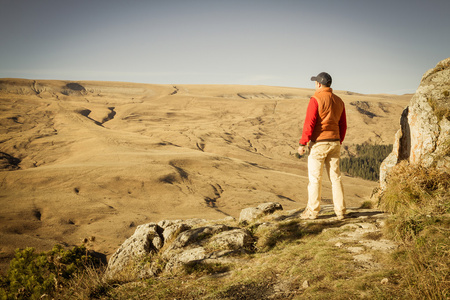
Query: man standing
pixel 324 128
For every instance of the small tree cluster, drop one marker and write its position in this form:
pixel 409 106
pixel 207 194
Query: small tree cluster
pixel 366 163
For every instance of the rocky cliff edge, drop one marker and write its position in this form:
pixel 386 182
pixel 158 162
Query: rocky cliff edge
pixel 423 138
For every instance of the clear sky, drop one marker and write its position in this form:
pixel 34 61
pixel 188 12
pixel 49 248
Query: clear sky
pixel 374 46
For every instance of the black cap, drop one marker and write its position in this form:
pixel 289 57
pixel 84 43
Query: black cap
pixel 323 78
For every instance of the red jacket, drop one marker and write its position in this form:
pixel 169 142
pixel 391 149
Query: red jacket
pixel 325 118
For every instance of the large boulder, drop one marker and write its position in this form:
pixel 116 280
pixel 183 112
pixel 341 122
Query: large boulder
pixel 170 244
pixel 423 138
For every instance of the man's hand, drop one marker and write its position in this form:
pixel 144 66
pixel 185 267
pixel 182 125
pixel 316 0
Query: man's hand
pixel 301 150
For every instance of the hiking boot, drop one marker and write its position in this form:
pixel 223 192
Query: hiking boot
pixel 340 217
pixel 308 215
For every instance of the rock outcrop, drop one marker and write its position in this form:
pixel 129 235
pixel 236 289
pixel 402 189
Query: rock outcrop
pixel 146 238
pixel 177 243
pixel 424 138
pixel 170 245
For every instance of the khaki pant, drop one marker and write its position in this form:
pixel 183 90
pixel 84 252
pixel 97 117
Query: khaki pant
pixel 328 154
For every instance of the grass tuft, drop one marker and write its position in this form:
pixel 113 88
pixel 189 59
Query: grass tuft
pixel 419 200
pixel 366 205
pixel 415 190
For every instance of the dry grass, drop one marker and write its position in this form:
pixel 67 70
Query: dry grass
pixel 414 190
pixel 88 284
pixel 419 200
